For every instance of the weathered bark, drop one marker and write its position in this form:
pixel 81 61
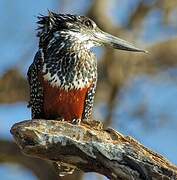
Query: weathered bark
pixel 43 170
pixel 92 149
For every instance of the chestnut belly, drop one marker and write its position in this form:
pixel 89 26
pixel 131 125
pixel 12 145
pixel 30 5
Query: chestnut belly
pixel 66 104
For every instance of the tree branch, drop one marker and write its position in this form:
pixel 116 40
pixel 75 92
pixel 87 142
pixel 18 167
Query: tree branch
pixel 92 149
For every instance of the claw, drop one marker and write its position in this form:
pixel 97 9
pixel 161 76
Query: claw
pixel 60 119
pixel 76 121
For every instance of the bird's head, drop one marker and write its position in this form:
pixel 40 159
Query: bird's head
pixel 79 30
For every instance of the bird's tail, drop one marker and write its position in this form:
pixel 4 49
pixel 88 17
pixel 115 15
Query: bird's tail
pixel 63 169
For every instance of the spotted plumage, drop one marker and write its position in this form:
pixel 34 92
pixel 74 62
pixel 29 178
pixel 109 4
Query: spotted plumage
pixel 63 66
pixel 63 75
pixel 36 89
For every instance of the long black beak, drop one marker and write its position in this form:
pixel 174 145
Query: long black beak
pixel 117 43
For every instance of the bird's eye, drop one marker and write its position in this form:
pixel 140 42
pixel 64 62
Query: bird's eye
pixel 88 23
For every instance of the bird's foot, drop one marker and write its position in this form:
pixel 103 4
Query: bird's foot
pixel 93 123
pixel 76 121
pixel 59 118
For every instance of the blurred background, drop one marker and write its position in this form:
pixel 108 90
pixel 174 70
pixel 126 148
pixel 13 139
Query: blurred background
pixel 136 93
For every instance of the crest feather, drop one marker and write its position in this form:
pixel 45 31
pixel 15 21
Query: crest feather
pixel 54 22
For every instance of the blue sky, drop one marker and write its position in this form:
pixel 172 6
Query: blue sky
pixel 18 45
pixel 12 172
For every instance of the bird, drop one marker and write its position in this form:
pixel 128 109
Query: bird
pixel 63 75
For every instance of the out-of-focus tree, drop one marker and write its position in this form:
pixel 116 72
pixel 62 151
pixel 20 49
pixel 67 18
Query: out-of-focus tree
pixel 115 67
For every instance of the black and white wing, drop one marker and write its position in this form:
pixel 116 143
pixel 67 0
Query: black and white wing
pixel 36 90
